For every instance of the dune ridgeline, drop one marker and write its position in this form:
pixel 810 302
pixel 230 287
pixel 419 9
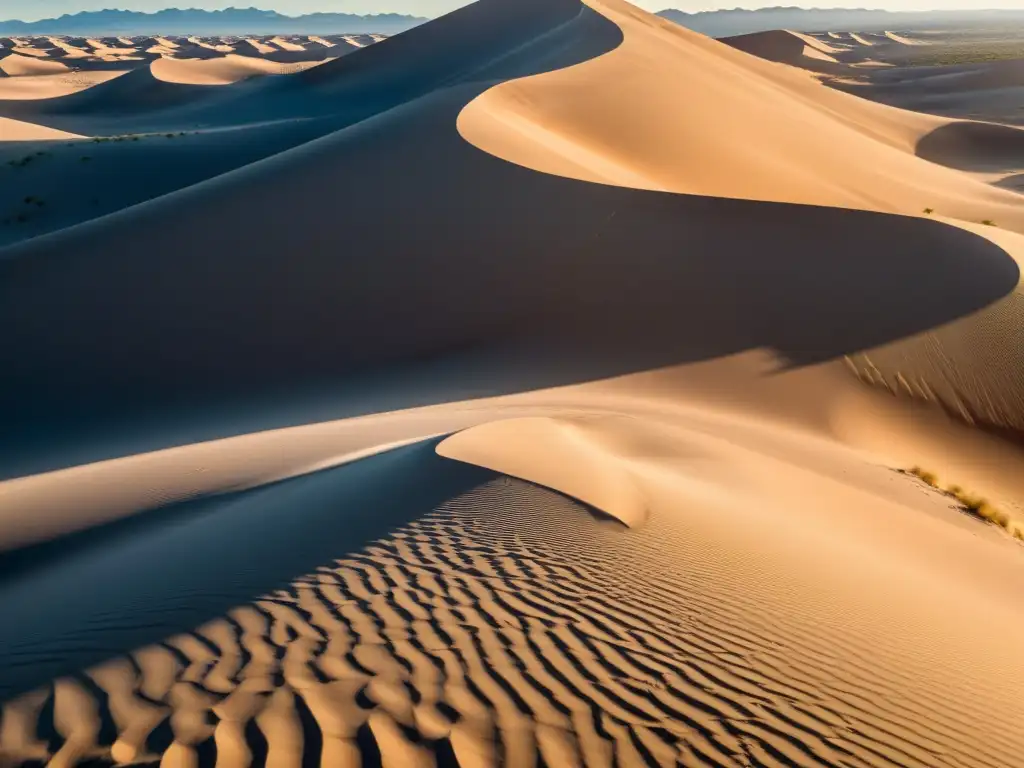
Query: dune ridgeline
pixel 538 386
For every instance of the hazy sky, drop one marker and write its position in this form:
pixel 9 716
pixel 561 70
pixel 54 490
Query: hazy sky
pixel 37 9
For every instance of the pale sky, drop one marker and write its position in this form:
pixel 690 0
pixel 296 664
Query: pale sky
pixel 31 10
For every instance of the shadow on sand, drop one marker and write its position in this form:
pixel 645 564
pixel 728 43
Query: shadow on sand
pixel 87 597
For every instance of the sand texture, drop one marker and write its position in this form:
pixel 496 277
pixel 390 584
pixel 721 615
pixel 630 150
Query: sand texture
pixel 537 387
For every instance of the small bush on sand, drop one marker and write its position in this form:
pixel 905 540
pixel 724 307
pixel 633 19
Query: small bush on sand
pixel 925 476
pixel 980 507
pixel 974 505
pixel 929 211
pixel 988 222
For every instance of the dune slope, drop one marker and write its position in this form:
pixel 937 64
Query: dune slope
pixel 594 264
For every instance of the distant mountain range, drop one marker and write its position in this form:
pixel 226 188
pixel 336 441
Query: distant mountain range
pixel 252 21
pixel 233 21
pixel 739 21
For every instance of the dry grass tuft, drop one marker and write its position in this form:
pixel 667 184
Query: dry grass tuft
pixel 924 475
pixel 975 505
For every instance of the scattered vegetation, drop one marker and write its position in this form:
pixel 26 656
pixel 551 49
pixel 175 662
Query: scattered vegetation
pixel 107 139
pixel 23 161
pixel 929 211
pixel 988 222
pixel 972 504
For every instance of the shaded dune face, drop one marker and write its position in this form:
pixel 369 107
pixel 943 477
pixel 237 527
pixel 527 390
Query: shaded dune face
pixel 481 632
pixel 539 258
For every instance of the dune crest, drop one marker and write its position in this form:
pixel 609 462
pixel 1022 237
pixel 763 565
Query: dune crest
pixel 231 68
pixel 757 132
pixel 561 454
pixel 18 65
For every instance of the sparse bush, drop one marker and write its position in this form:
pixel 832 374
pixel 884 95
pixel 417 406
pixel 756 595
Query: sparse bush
pixel 925 476
pixel 988 222
pixel 975 505
pixel 929 211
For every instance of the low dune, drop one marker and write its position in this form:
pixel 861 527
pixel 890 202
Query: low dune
pixel 787 48
pixel 286 45
pixel 903 40
pixel 70 51
pixel 17 65
pixel 222 71
pixel 52 86
pixel 259 46
pixel 508 418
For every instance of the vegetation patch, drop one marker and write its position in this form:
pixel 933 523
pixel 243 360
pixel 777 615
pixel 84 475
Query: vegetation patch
pixel 970 503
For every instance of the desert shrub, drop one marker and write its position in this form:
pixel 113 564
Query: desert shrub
pixel 975 505
pixel 929 211
pixel 925 476
pixel 988 222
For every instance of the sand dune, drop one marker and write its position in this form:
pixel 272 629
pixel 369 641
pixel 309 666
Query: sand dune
pixel 788 48
pixel 903 40
pixel 286 45
pixel 229 69
pixel 17 65
pixel 259 46
pixel 303 471
pixel 52 86
pixel 860 39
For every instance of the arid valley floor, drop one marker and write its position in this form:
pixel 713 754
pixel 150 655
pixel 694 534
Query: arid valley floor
pixel 546 385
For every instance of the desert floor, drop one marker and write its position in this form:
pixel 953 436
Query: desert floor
pixel 547 385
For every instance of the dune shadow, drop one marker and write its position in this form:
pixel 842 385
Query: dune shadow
pixel 973 146
pixel 276 295
pixel 87 597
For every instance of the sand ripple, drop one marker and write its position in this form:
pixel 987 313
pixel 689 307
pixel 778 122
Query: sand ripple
pixel 499 630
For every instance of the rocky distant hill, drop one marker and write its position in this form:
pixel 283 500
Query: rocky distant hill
pixel 233 21
pixel 739 21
